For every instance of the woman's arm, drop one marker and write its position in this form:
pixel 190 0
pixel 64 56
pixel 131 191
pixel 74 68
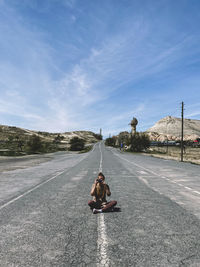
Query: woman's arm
pixel 92 192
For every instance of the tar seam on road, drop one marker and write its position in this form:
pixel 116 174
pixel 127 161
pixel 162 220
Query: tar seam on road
pixel 102 242
pixel 35 187
pixel 188 188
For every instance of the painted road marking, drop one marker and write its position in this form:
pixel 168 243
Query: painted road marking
pixel 197 192
pixel 143 179
pixel 102 242
pixel 77 178
pixel 181 185
pixel 36 187
pixel 186 187
pixel 101 160
pixel 29 191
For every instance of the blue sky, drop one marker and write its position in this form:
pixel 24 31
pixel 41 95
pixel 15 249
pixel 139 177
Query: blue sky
pixel 89 64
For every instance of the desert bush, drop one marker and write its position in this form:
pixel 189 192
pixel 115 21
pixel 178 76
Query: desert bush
pixel 110 141
pixel 77 144
pixel 124 138
pixel 35 144
pixel 10 139
pixel 58 139
pixel 98 136
pixel 139 142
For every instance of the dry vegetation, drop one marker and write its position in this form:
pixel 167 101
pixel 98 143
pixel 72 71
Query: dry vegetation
pixel 14 140
pixel 191 154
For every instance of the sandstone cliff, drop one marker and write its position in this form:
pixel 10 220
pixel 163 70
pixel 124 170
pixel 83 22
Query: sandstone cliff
pixel 170 128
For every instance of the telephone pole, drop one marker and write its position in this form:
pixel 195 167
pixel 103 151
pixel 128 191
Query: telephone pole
pixel 182 121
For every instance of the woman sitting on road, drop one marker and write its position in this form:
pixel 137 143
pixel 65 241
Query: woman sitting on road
pixel 99 191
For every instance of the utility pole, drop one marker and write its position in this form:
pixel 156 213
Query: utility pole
pixel 182 120
pixel 167 140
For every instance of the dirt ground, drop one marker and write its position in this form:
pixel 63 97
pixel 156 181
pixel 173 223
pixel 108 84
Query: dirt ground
pixel 190 154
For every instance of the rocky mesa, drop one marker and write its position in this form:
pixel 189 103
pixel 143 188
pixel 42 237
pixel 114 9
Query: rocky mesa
pixel 169 128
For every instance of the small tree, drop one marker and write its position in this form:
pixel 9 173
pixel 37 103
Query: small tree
pixel 98 136
pixel 20 143
pixel 110 141
pixel 77 144
pixel 35 144
pixel 123 138
pixel 139 142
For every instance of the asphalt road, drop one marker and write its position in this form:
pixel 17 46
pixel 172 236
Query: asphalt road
pixel 45 220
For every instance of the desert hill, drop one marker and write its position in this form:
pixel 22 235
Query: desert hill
pixel 11 132
pixel 170 128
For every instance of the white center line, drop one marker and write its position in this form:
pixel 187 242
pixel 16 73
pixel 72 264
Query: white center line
pixel 101 160
pixel 102 242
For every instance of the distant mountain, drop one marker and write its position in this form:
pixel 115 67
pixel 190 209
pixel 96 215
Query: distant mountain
pixel 7 132
pixel 170 128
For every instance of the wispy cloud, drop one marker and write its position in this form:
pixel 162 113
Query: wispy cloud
pixel 82 75
pixel 192 110
pixel 69 3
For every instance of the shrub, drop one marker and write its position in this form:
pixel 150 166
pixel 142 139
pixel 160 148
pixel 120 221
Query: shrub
pixel 77 144
pixel 139 142
pixel 98 136
pixel 110 141
pixel 58 139
pixel 35 144
pixel 124 138
pixel 10 139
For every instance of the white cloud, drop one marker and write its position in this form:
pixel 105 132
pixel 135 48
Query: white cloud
pixel 193 114
pixel 34 87
pixel 17 106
